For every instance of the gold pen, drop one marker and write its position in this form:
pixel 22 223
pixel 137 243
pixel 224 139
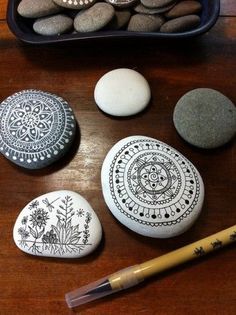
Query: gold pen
pixel 133 275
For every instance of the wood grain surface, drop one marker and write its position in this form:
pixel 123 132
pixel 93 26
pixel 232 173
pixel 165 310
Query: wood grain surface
pixel 32 285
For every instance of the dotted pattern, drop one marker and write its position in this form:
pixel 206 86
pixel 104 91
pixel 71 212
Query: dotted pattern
pixel 35 127
pixel 152 184
pixel 77 3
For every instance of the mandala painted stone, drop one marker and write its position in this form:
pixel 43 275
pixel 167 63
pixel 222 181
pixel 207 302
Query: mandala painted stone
pixel 151 188
pixel 58 224
pixel 75 4
pixel 37 128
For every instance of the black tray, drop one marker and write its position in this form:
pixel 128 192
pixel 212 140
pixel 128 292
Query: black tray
pixel 22 28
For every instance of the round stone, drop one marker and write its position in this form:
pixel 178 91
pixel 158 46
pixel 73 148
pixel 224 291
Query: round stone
pixel 58 224
pixel 53 25
pixel 36 9
pixel 120 19
pixel 181 24
pixel 140 8
pixel 184 8
pixel 122 3
pixel 75 4
pixel 145 23
pixel 35 125
pixel 157 3
pixel 205 118
pixel 151 188
pixel 122 92
pixel 94 18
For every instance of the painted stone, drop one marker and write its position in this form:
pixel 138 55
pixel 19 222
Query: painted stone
pixel 94 18
pixel 122 3
pixel 75 4
pixel 58 224
pixel 157 3
pixel 37 128
pixel 181 24
pixel 145 23
pixel 53 25
pixel 122 92
pixel 205 118
pixel 184 8
pixel 151 188
pixel 36 9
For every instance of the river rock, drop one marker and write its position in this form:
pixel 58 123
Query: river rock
pixel 75 4
pixel 37 8
pixel 94 18
pixel 145 23
pixel 58 224
pixel 37 128
pixel 181 24
pixel 53 25
pixel 205 118
pixel 120 19
pixel 157 3
pixel 122 92
pixel 184 8
pixel 140 8
pixel 122 3
pixel 151 188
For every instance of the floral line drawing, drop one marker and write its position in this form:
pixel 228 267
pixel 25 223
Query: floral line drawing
pixel 60 238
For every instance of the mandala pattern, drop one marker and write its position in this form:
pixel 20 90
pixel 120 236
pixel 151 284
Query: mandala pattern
pixel 152 183
pixel 36 128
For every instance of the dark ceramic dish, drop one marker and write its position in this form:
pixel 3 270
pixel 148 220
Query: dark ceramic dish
pixel 22 28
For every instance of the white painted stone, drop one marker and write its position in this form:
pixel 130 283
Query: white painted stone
pixel 58 224
pixel 151 188
pixel 122 92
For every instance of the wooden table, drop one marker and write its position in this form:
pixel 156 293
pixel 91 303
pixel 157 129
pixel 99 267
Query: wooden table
pixel 32 285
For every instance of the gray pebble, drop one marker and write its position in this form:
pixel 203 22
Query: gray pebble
pixel 122 3
pixel 53 25
pixel 157 3
pixel 120 19
pixel 184 8
pixel 75 4
pixel 145 23
pixel 140 8
pixel 37 8
pixel 205 118
pixel 94 18
pixel 181 24
pixel 37 128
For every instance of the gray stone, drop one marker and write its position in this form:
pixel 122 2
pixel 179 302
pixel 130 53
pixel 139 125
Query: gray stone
pixel 37 8
pixel 157 3
pixel 122 3
pixel 145 23
pixel 94 18
pixel 120 19
pixel 37 128
pixel 140 8
pixel 75 4
pixel 181 24
pixel 184 8
pixel 53 25
pixel 205 118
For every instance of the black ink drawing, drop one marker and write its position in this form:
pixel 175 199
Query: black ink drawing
pixel 216 244
pixel 60 238
pixel 199 251
pixel 233 236
pixel 153 184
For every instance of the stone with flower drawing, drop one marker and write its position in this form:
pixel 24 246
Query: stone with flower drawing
pixel 58 224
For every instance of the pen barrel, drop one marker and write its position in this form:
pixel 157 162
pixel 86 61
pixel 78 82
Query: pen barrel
pixel 188 252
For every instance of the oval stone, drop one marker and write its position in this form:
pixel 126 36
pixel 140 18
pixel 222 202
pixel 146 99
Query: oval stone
pixel 58 224
pixel 151 188
pixel 205 118
pixel 37 128
pixel 184 8
pixel 120 20
pixel 122 92
pixel 157 3
pixel 140 8
pixel 53 25
pixel 145 23
pixel 181 24
pixel 94 18
pixel 75 4
pixel 122 3
pixel 36 9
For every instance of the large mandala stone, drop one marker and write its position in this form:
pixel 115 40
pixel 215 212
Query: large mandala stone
pixel 37 128
pixel 151 188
